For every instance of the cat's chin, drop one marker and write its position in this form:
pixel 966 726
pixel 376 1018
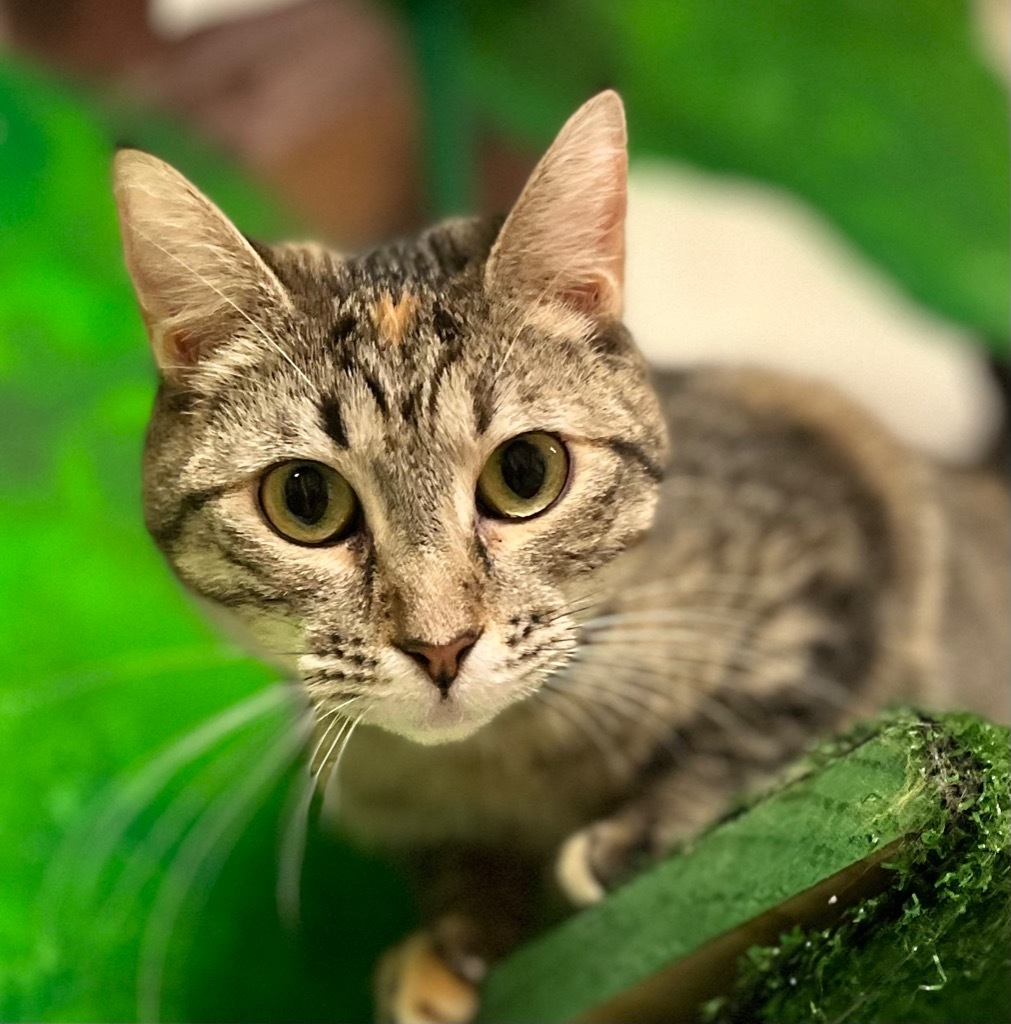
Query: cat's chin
pixel 448 722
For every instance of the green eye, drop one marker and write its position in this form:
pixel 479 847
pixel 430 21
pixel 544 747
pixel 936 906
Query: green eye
pixel 308 503
pixel 523 477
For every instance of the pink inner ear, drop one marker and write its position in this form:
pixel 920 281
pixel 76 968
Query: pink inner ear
pixel 586 297
pixel 175 348
pixel 181 346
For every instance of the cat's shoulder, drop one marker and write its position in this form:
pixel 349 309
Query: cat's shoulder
pixel 741 404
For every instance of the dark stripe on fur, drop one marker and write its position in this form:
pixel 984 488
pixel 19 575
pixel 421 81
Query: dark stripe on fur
pixel 332 421
pixel 236 597
pixel 247 565
pixel 484 402
pixel 481 549
pixel 636 453
pixel 451 353
pixel 410 406
pixel 343 328
pixel 233 547
pixel 612 340
pixel 369 568
pixel 446 325
pixel 377 393
pixel 166 534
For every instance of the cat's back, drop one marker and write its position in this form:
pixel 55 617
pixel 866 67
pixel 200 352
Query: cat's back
pixel 779 471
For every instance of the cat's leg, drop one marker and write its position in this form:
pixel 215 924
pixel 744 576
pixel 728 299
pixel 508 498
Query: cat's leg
pixel 669 811
pixel 479 906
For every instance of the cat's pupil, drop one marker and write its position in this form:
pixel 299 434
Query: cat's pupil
pixel 523 468
pixel 306 495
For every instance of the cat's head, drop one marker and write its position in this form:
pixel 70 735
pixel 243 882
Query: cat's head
pixel 401 474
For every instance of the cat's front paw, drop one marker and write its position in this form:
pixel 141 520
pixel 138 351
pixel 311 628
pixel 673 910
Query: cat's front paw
pixel 429 979
pixel 598 858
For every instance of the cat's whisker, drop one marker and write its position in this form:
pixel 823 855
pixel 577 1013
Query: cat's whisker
pixel 200 858
pixel 333 781
pixel 325 760
pixel 321 719
pixel 676 688
pixel 295 830
pixel 664 653
pixel 572 611
pixel 517 334
pixel 709 615
pixel 736 587
pixel 687 581
pixel 85 856
pixel 587 724
pixel 672 686
pixel 705 584
pixel 691 644
pixel 747 659
pixel 549 287
pixel 172 823
pixel 334 721
pixel 562 656
pixel 571 725
pixel 631 705
pixel 670 644
pixel 291 851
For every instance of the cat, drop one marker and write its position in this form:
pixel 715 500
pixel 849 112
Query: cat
pixel 567 607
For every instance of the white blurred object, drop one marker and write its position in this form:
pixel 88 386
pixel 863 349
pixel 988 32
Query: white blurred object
pixel 992 25
pixel 736 272
pixel 177 18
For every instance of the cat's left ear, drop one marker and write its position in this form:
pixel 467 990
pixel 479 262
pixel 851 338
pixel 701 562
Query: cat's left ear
pixel 565 238
pixel 199 282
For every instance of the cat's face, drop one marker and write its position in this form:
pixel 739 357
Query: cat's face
pixel 400 475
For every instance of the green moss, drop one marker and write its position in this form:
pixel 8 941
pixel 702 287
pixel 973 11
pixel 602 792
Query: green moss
pixel 925 792
pixel 936 946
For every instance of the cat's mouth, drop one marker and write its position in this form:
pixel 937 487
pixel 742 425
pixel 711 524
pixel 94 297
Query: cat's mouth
pixel 431 718
pixel 403 697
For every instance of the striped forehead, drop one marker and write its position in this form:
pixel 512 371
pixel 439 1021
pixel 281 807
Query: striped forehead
pixel 397 360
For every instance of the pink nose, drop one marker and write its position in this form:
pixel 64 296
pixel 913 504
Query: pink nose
pixel 441 661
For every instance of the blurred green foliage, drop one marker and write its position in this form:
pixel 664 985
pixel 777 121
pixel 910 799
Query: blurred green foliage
pixel 880 113
pixel 103 663
pixel 934 947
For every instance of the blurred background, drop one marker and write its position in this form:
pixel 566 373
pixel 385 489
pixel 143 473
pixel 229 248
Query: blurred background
pixel 821 187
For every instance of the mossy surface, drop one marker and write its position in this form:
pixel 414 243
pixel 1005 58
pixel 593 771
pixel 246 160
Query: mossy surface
pixel 937 945
pixel 932 787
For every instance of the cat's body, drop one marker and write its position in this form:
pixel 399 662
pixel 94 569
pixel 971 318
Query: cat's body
pixel 702 573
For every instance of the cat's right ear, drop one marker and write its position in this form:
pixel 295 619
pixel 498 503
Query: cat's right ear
pixel 197 279
pixel 564 240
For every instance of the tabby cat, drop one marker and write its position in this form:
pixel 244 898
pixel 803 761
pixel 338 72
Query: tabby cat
pixel 567 607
